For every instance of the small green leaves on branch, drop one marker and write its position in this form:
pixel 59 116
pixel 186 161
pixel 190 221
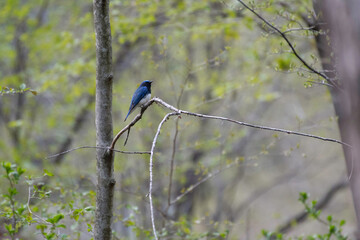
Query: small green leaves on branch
pixel 12 208
pixel 334 227
pixel 22 89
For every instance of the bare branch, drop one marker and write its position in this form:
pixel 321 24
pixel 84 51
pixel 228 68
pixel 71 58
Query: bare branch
pixel 82 147
pixel 132 123
pixel 210 175
pixel 172 161
pixel 161 102
pixel 151 167
pixel 299 29
pixel 330 81
pixel 29 209
pixel 319 83
pixel 127 136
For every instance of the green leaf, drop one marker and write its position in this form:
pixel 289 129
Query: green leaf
pixel 20 210
pixel 89 209
pixel 129 223
pixel 303 196
pixel 41 227
pixel 7 167
pixel 10 229
pixel 47 173
pixel 56 218
pixel 50 236
pixel 332 229
pixel 283 64
pixel 21 170
pixel 90 228
pixel 61 226
pixel 342 223
pixel 12 191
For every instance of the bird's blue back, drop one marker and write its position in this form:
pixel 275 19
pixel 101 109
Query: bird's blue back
pixel 143 90
pixel 139 94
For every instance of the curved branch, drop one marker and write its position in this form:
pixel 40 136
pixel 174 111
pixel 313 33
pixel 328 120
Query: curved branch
pixel 132 123
pixel 31 213
pixel 282 34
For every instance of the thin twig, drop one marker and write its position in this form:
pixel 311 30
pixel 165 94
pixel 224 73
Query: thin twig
pixel 319 83
pixel 127 136
pixel 29 209
pixel 210 175
pixel 291 46
pixel 151 167
pixel 132 123
pixel 172 161
pixel 299 29
pixel 108 148
pixel 161 102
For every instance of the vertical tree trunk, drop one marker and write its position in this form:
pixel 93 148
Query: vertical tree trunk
pixel 103 121
pixel 342 23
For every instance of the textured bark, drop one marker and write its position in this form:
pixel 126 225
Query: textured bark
pixel 343 25
pixel 103 121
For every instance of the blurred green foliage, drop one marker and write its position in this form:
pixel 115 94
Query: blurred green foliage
pixel 206 56
pixel 335 228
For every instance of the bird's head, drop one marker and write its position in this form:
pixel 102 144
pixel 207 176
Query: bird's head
pixel 146 83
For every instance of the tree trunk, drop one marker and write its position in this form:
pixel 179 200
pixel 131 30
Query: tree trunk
pixel 343 23
pixel 103 121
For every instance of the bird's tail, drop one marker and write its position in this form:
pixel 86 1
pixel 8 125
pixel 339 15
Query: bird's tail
pixel 130 111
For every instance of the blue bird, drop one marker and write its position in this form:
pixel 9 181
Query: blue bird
pixel 141 96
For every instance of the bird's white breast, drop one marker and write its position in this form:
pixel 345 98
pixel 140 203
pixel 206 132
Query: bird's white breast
pixel 145 100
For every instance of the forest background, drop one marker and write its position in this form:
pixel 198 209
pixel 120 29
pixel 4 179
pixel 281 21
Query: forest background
pixel 211 179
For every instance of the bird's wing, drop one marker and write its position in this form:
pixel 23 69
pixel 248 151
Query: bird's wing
pixel 139 94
